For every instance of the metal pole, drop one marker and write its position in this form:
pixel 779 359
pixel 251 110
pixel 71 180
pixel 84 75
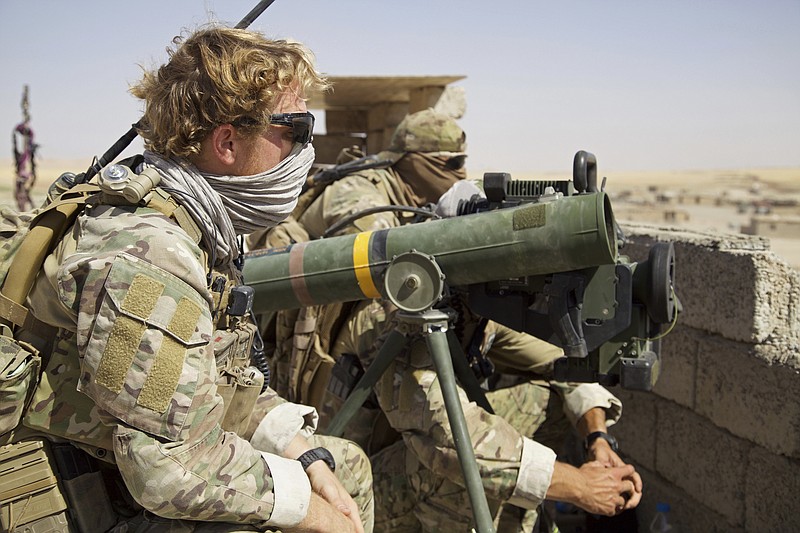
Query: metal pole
pixel 436 338
pixel 388 352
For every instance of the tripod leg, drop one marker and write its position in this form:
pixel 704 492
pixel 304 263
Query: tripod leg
pixel 436 339
pixel 389 351
pixel 465 376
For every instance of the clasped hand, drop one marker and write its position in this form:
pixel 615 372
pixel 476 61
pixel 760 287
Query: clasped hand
pixel 618 486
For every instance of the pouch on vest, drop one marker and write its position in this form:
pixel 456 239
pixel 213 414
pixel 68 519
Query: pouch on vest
pixel 30 494
pixel 19 371
pixel 89 503
pixel 311 362
pixel 240 388
pixel 14 227
pixel 281 357
pixel 238 383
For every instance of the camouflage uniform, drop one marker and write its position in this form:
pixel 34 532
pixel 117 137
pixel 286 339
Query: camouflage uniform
pixel 132 379
pixel 416 470
pixel 417 480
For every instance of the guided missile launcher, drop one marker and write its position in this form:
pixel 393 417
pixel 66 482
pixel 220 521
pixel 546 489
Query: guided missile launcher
pixel 539 257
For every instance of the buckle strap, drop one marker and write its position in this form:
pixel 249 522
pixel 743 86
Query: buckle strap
pixel 163 202
pixel 12 312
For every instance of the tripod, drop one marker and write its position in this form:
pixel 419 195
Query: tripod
pixel 416 316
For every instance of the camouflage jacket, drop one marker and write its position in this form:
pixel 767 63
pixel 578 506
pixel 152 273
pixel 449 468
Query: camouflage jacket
pixel 354 193
pixel 132 374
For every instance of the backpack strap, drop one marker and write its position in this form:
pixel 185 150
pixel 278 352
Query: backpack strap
pixel 46 230
pixel 162 201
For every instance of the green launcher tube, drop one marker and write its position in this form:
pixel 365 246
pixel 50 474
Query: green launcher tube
pixel 565 234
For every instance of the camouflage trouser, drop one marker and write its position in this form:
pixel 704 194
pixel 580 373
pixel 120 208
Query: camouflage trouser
pixel 352 469
pixel 410 497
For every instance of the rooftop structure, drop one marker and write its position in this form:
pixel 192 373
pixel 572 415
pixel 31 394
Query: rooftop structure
pixel 363 111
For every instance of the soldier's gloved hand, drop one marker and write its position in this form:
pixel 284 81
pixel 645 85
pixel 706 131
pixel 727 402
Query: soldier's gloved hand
pixel 325 483
pixel 448 203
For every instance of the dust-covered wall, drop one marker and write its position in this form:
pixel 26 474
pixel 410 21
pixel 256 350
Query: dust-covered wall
pixel 719 436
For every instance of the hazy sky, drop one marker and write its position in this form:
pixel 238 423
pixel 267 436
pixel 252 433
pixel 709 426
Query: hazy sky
pixel 662 85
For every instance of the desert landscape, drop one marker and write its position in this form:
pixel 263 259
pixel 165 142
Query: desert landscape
pixel 756 201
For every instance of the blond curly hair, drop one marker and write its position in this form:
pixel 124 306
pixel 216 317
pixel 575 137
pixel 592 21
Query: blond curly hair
pixel 219 76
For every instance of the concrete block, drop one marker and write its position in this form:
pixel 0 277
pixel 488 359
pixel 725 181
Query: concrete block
pixel 778 290
pixel 738 391
pixel 773 486
pixel 686 513
pixel 718 291
pixel 676 381
pixel 701 459
pixel 327 147
pixel 422 98
pixel 386 115
pixel 636 429
pixel 731 285
pixel 376 141
pixel 345 121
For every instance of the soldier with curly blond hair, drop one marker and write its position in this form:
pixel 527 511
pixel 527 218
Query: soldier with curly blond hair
pixel 150 367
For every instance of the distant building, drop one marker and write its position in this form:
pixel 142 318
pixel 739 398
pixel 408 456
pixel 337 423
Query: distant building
pixel 773 226
pixel 363 111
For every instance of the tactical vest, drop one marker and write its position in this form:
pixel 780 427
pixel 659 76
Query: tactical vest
pixel 39 477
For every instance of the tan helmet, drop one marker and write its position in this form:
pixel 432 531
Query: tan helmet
pixel 429 131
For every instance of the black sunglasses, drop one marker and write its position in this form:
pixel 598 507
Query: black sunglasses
pixel 302 125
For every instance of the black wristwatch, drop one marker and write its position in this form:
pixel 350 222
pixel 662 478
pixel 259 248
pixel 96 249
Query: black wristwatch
pixel 317 454
pixel 591 437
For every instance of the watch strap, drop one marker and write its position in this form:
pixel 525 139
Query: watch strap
pixel 317 454
pixel 591 437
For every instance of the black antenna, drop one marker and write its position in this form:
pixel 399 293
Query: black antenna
pixel 254 14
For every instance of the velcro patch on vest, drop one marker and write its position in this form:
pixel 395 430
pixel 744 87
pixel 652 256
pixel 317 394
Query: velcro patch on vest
pixel 531 216
pixel 121 348
pixel 142 296
pixel 164 375
pixel 145 352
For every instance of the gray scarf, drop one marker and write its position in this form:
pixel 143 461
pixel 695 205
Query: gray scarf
pixel 226 206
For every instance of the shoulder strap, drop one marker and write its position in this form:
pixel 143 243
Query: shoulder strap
pixel 163 202
pixel 46 230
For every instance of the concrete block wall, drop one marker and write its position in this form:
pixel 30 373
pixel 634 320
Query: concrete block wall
pixel 719 436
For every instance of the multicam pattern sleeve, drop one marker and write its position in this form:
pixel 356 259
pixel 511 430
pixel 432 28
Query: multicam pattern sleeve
pixel 348 196
pixel 523 352
pixel 580 397
pixel 136 285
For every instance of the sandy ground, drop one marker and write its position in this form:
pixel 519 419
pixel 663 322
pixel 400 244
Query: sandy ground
pixel 633 194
